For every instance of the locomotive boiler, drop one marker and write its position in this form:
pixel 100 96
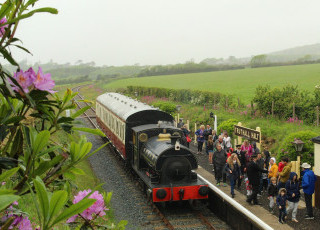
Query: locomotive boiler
pixel 146 138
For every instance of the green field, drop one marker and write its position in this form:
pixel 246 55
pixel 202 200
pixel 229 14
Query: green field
pixel 241 83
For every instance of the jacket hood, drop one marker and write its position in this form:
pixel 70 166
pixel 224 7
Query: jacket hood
pixel 292 174
pixel 274 160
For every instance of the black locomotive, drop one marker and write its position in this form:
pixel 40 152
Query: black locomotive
pixel 146 138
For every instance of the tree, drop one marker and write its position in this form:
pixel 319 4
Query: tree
pixel 258 60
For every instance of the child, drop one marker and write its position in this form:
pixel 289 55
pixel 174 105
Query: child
pixel 248 187
pixel 272 192
pixel 281 202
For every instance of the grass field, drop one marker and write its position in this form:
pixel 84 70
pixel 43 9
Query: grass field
pixel 241 83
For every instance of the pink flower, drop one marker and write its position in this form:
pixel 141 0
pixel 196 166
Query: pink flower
pixel 25 80
pixel 3 183
pixel 43 81
pixel 2 28
pixel 97 209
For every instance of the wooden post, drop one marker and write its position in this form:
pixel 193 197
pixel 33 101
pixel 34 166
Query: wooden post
pixel 317 114
pixel 239 138
pixel 294 166
pixel 175 121
pixel 252 111
pixel 178 118
pixel 293 111
pixel 313 195
pixel 227 100
pixel 238 102
pixel 259 143
pixel 298 166
pixel 195 130
pixel 188 125
pixel 272 109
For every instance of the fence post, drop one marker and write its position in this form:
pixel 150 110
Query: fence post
pixel 272 108
pixel 298 166
pixel 178 117
pixel 259 144
pixel 252 111
pixel 175 121
pixel 239 138
pixel 195 130
pixel 188 125
pixel 313 195
pixel 215 123
pixel 317 114
pixel 294 166
pixel 293 111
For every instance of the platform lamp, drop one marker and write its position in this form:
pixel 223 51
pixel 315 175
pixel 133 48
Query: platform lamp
pixel 298 145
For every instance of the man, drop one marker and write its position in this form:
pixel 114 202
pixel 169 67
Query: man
pixel 260 163
pixel 180 123
pixel 206 134
pixel 285 173
pixel 242 158
pixel 253 171
pixel 221 142
pixel 255 149
pixel 308 184
pixel 219 161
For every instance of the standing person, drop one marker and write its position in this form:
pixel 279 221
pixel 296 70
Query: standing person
pixel 200 138
pixel 227 140
pixel 215 136
pixel 180 123
pixel 255 150
pixel 207 132
pixel 272 192
pixel 221 142
pixel 247 149
pixel 281 202
pixel 265 179
pixel 253 175
pixel 233 171
pixel 210 148
pixel 267 158
pixel 186 133
pixel 219 161
pixel 293 195
pixel 260 163
pixel 273 168
pixel 308 184
pixel 242 158
pixel 285 173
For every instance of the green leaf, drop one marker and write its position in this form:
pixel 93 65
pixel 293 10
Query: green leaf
pixel 30 2
pixel 102 146
pixel 58 200
pixel 42 197
pixel 46 165
pixel 5 8
pixel 6 200
pixel 40 10
pixel 41 141
pixel 35 202
pixel 14 119
pixel 88 130
pixel 8 56
pixel 74 210
pixel 77 171
pixel 85 150
pixel 65 120
pixel 80 111
pixel 7 174
pixel 69 175
pixel 7 191
pixel 24 49
pixel 51 149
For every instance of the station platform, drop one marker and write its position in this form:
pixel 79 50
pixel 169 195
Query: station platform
pixel 257 210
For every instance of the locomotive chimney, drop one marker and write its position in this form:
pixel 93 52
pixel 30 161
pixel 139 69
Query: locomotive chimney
pixel 174 139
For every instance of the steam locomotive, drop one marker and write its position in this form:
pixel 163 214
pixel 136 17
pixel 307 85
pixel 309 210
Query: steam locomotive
pixel 146 138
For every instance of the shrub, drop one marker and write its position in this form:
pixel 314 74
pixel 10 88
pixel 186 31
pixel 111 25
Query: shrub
pixel 228 125
pixel 287 149
pixel 165 106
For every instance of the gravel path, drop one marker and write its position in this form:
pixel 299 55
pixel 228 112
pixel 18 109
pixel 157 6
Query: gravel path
pixel 303 224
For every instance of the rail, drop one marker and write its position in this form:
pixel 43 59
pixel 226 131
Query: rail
pixel 257 221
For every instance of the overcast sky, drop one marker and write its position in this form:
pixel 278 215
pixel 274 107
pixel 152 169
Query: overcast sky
pixel 125 32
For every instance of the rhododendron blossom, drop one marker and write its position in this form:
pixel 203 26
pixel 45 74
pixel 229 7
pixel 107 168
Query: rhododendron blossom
pixel 43 81
pixel 2 28
pixel 97 209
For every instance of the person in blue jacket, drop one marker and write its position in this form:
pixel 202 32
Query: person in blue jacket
pixel 308 184
pixel 293 195
pixel 200 138
pixel 281 203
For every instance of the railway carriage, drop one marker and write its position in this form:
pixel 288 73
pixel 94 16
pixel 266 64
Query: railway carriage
pixel 145 137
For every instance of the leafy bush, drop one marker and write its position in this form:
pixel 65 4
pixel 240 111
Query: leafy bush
pixel 228 125
pixel 165 106
pixel 195 97
pixel 287 149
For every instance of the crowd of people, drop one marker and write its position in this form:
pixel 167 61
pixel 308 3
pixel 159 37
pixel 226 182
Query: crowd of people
pixel 259 171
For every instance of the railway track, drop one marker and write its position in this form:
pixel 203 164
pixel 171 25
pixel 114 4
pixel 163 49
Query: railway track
pixel 182 216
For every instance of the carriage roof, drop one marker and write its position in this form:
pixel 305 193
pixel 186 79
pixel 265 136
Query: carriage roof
pixel 123 106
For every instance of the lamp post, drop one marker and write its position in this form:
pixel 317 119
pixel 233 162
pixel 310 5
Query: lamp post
pixel 298 145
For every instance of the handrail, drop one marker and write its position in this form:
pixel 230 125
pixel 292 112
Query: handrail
pixel 256 220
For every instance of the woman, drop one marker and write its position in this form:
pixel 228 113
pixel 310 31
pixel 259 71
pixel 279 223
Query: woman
pixel 214 135
pixel 233 171
pixel 186 133
pixel 293 195
pixel 210 148
pixel 273 168
pixel 227 140
pixel 247 149
pixel 200 138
